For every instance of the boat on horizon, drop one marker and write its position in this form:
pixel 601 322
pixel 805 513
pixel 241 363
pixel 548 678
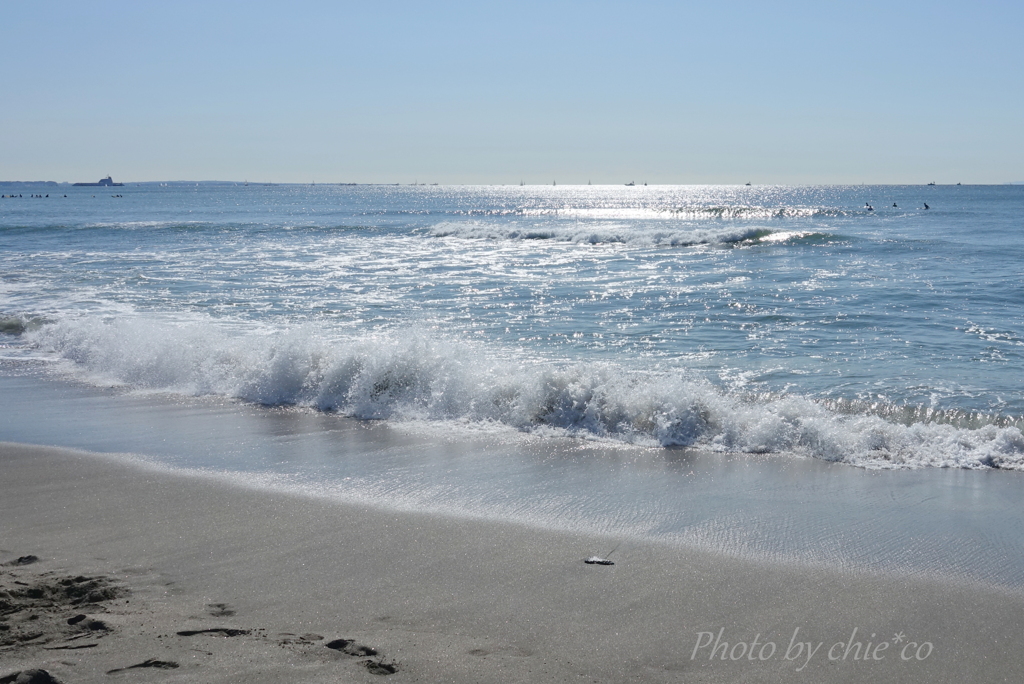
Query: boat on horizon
pixel 107 182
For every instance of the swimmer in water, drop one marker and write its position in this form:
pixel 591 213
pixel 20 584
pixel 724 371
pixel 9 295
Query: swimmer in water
pixel 926 206
pixel 894 206
pixel 870 208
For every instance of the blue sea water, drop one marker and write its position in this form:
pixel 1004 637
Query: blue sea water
pixel 784 320
pixel 772 372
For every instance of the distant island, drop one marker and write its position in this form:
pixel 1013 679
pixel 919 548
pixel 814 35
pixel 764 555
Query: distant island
pixel 104 182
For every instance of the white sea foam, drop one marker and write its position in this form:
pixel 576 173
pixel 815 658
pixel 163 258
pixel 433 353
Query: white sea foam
pixel 644 212
pixel 602 233
pixel 416 376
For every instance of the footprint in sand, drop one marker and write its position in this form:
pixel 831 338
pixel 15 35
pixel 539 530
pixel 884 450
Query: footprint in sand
pixel 30 677
pixel 350 647
pixel 287 638
pixel 152 662
pixel 219 610
pixel 219 631
pixel 379 667
pixel 86 623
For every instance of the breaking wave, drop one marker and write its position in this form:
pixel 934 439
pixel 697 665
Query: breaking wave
pixel 623 234
pixel 413 376
pixel 694 213
pixel 17 325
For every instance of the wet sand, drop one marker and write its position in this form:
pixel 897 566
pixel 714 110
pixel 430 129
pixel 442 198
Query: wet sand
pixel 191 579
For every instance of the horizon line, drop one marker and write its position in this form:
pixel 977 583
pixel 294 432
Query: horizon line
pixel 520 184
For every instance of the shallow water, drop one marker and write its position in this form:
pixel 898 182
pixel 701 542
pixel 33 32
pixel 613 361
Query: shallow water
pixel 961 525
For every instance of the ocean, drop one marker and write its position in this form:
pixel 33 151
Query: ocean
pixel 816 374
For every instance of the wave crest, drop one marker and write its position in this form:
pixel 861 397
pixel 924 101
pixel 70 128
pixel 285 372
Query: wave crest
pixel 423 377
pixel 695 213
pixel 18 325
pixel 603 234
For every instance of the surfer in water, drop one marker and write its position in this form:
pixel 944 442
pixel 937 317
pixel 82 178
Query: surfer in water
pixel 894 206
pixel 926 206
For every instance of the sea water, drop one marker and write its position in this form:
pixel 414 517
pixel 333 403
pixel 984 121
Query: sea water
pixel 786 328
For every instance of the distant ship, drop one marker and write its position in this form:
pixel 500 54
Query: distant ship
pixel 107 182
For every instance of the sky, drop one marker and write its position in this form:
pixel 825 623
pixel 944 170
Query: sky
pixel 491 93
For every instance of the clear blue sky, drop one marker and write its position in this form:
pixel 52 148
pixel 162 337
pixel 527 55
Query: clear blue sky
pixel 476 92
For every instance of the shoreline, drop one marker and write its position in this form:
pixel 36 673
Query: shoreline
pixel 952 523
pixel 440 598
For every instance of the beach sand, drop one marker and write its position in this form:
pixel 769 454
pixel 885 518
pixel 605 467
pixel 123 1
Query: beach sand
pixel 190 578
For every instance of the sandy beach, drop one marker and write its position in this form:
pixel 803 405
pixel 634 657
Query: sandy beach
pixel 185 578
